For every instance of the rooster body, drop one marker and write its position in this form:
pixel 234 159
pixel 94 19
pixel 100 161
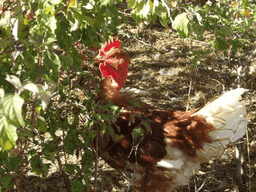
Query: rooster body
pixel 174 143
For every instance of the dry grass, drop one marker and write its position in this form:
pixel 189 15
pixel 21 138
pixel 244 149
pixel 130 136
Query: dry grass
pixel 160 65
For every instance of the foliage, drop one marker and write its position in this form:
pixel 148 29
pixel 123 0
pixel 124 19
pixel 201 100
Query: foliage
pixel 39 58
pixel 233 24
pixel 38 42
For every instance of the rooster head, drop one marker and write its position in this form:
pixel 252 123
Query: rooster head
pixel 114 63
pixel 107 48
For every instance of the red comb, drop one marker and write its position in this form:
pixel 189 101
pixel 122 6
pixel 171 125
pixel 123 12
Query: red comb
pixel 113 42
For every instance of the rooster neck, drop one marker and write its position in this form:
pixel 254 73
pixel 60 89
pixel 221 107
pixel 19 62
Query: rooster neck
pixel 109 88
pixel 110 91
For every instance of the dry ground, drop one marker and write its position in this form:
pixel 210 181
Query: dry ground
pixel 161 65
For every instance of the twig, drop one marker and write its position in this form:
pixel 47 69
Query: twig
pixel 126 14
pixel 39 65
pixel 162 48
pixel 63 172
pixel 96 158
pixel 189 91
pixel 249 161
pixel 143 42
pixel 195 183
pixel 33 115
pixel 240 162
pixel 21 164
pixel 201 186
pixel 197 41
pixel 167 9
pixel 223 86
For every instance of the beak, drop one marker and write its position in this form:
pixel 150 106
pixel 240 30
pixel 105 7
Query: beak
pixel 98 59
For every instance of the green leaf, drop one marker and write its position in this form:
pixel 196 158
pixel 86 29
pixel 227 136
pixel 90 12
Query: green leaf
pixel 7 181
pixel 31 65
pixel 146 9
pixel 146 125
pixel 31 87
pixel 77 186
pixel 115 109
pixel 12 109
pixel 14 80
pixel 71 142
pixel 132 3
pixel 2 171
pixel 90 20
pixel 225 31
pixel 52 24
pixel 155 4
pixel 134 103
pixel 54 59
pixel 71 168
pixel 245 3
pixel 220 44
pixel 1 94
pixel 35 163
pixel 51 65
pixel 67 61
pixel 77 61
pixel 107 117
pixel 41 124
pixel 107 106
pixel 63 32
pixel 50 150
pixel 137 132
pixel 5 19
pixel 50 10
pixel 106 2
pixel 25 21
pixel 38 166
pixel 180 24
pixel 71 3
pixel 163 18
pixel 8 135
pixel 235 44
pixel 45 93
pixel 198 29
pixel 14 163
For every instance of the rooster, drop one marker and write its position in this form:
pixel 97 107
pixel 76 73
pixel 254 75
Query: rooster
pixel 173 143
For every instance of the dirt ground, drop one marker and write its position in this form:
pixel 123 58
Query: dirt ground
pixel 162 65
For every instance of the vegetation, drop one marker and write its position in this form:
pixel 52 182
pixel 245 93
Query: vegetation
pixel 47 106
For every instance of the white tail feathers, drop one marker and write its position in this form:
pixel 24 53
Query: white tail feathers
pixel 227 114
